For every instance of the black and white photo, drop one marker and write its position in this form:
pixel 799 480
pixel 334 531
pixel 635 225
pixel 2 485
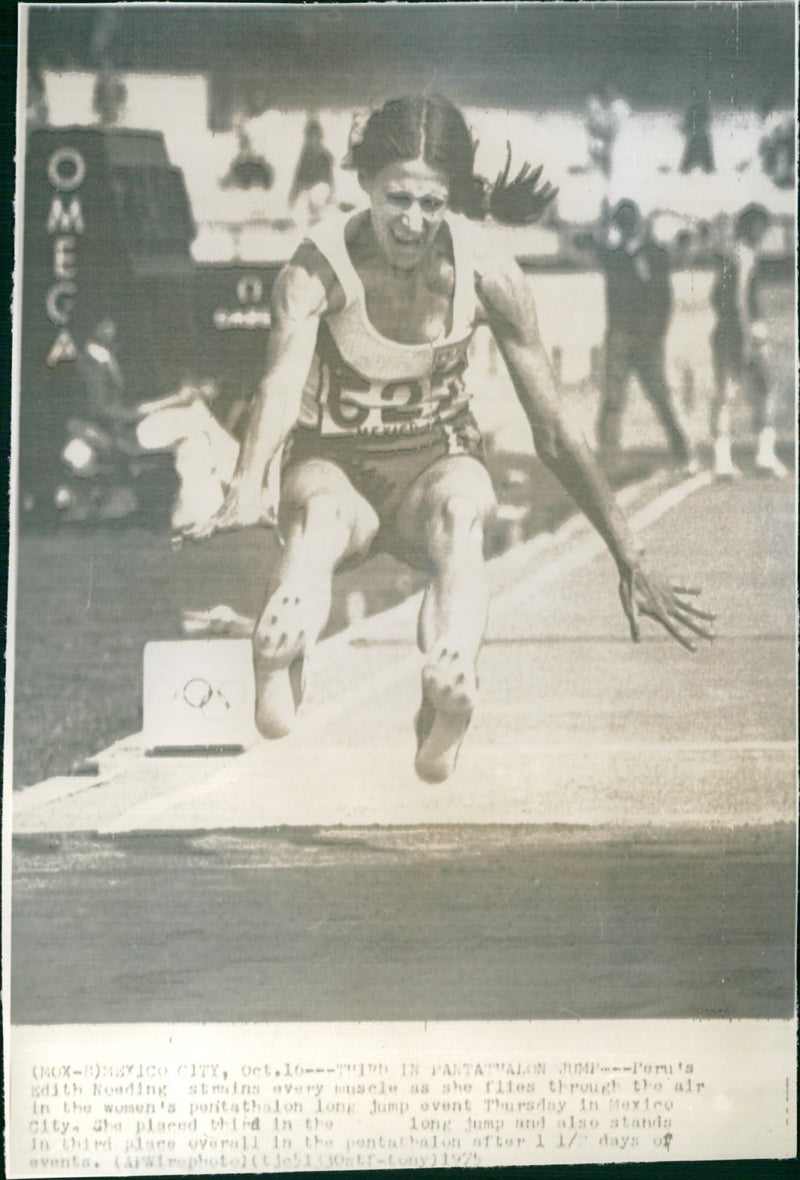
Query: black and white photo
pixel 400 762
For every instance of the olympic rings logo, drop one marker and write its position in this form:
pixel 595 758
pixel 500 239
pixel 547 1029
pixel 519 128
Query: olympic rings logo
pixel 212 702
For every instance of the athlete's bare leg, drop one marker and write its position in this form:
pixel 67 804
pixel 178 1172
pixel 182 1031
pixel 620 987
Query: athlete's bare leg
pixel 443 520
pixel 323 521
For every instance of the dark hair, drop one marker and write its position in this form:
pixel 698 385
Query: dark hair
pixel 626 211
pixel 431 128
pixel 748 218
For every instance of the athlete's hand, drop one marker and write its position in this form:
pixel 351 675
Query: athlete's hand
pixel 243 507
pixel 646 592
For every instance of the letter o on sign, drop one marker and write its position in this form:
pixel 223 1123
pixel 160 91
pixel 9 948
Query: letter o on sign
pixel 249 289
pixel 66 169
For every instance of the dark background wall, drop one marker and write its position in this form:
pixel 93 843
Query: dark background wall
pixel 528 56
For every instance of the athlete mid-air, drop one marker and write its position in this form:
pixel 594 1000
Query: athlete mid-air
pixel 365 384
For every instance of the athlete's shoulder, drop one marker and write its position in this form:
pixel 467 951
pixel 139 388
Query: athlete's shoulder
pixel 488 245
pixel 307 286
pixel 503 290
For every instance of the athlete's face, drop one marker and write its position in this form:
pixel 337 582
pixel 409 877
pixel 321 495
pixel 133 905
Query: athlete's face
pixel 408 202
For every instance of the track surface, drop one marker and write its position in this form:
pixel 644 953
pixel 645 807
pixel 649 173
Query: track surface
pixel 649 873
pixel 436 924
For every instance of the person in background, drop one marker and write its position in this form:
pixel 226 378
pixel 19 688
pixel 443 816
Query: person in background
pixel 203 450
pixel 312 186
pixel 696 127
pixel 605 114
pixel 37 113
pixel 109 96
pixel 777 145
pixel 638 311
pixel 101 448
pixel 740 346
pixel 248 169
pixel 103 385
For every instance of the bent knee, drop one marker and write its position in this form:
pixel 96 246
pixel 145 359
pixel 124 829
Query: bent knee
pixel 310 479
pixel 457 517
pixel 323 503
pixel 459 511
pixel 317 509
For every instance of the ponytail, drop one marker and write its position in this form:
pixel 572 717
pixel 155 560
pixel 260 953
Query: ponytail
pixel 518 201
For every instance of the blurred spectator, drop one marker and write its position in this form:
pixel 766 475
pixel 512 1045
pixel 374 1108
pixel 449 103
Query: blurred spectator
pixel 696 128
pixel 110 94
pixel 98 459
pixel 739 346
pixel 109 97
pixel 204 452
pixel 683 249
pixel 37 113
pixel 638 310
pixel 605 114
pixel 777 146
pixel 248 169
pixel 312 187
pixel 102 377
pixel 705 238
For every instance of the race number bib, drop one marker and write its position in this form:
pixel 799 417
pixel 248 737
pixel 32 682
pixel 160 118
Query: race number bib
pixel 351 403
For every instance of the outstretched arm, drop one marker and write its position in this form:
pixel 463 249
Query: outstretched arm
pixel 298 300
pixel 511 311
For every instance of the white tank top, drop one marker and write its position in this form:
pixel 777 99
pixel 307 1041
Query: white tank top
pixel 360 382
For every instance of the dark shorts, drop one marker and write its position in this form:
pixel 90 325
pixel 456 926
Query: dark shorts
pixel 727 344
pixel 383 470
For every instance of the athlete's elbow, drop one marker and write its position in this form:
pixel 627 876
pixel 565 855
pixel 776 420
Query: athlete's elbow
pixel 547 440
pixel 555 440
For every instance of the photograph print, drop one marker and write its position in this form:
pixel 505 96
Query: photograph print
pixel 402 601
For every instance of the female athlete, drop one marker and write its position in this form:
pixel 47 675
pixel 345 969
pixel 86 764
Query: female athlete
pixel 365 383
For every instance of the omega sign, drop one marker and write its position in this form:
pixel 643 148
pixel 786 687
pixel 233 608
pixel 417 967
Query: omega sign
pixel 249 292
pixel 66 171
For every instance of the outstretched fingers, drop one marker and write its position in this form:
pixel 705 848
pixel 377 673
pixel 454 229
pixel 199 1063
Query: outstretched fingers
pixel 671 626
pixel 671 606
pixel 690 611
pixel 699 616
pixel 700 629
pixel 705 615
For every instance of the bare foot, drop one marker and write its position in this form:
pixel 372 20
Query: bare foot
pixel 449 693
pixel 280 645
